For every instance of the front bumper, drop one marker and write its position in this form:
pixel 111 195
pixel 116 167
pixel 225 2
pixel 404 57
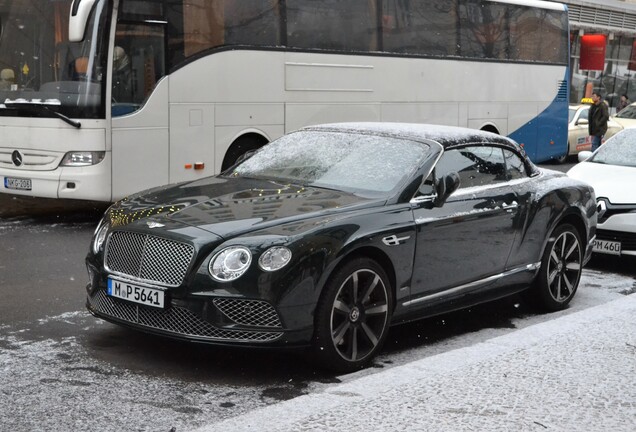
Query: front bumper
pixel 619 228
pixel 222 321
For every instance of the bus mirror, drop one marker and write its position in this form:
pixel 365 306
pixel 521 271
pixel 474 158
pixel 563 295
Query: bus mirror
pixel 80 11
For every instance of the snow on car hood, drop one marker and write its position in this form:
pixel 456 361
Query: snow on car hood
pixel 613 182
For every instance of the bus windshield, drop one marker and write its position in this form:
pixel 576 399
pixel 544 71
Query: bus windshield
pixel 42 73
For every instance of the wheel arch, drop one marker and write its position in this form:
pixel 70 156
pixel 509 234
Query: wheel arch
pixel 490 127
pixel 246 140
pixel 576 220
pixel 376 255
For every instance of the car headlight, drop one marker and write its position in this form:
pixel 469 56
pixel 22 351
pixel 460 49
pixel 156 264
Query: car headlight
pixel 81 158
pixel 275 258
pixel 100 236
pixel 230 263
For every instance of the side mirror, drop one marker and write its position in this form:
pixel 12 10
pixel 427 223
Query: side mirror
pixel 445 187
pixel 80 11
pixel 582 122
pixel 584 155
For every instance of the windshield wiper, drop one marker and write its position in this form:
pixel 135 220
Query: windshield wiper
pixel 38 105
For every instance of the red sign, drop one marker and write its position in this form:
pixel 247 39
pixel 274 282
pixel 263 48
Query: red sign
pixel 593 48
pixel 632 61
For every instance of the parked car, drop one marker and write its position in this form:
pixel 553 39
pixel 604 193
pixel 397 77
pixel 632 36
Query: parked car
pixel 611 170
pixel 578 136
pixel 626 118
pixel 329 235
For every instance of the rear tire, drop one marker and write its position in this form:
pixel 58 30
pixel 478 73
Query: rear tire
pixel 561 267
pixel 352 316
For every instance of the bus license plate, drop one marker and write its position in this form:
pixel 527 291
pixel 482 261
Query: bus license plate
pixel 134 293
pixel 17 183
pixel 607 247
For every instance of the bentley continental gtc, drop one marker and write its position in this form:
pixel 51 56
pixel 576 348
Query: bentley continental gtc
pixel 329 235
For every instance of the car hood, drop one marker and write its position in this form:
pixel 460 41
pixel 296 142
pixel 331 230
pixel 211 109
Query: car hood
pixel 623 122
pixel 231 206
pixel 609 181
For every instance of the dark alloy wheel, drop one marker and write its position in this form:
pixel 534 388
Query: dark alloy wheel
pixel 352 317
pixel 561 268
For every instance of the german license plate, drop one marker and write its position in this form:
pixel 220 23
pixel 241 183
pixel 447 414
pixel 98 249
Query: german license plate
pixel 607 247
pixel 135 293
pixel 17 183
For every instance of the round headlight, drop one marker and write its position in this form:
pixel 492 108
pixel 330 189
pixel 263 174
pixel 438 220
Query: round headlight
pixel 230 263
pixel 275 258
pixel 100 236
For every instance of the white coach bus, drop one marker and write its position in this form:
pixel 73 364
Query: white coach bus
pixel 102 98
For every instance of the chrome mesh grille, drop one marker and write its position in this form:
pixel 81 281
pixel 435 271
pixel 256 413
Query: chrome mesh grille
pixel 249 312
pixel 176 320
pixel 148 258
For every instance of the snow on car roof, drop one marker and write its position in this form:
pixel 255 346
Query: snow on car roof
pixel 445 135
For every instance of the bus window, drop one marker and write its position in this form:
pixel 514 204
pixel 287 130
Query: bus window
pixel 208 24
pixel 332 25
pixel 419 27
pixel 138 64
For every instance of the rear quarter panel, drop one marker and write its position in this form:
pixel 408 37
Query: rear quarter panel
pixel 549 199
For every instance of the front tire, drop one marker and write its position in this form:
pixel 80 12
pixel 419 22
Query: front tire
pixel 561 267
pixel 352 316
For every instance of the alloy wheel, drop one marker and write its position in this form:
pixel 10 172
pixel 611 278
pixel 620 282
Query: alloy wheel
pixel 359 315
pixel 564 266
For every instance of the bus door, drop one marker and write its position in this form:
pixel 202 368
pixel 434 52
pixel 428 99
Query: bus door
pixel 139 101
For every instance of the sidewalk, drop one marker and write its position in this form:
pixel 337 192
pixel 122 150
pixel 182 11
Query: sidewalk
pixel 574 373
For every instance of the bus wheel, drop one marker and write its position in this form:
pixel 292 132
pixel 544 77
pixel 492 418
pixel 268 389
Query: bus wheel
pixel 241 146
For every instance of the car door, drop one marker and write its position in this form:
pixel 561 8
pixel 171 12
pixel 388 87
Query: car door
pixel 462 245
pixel 579 136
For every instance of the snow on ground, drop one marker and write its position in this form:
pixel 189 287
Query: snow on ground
pixel 55 384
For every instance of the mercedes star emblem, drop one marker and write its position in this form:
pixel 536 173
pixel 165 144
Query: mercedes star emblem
pixel 16 157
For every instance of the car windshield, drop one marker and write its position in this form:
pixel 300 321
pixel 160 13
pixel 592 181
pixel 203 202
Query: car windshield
pixel 363 164
pixel 618 150
pixel 571 114
pixel 627 113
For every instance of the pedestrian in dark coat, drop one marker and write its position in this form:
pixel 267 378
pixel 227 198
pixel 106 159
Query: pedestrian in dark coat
pixel 598 118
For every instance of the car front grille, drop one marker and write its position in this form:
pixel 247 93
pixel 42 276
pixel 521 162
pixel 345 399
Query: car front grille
pixel 175 320
pixel 148 258
pixel 256 313
pixel 628 240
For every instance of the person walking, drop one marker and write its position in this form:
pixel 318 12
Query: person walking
pixel 598 118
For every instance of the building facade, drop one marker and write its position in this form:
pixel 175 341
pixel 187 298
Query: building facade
pixel 602 49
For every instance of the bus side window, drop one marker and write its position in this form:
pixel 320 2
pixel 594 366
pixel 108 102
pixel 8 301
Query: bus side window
pixel 138 64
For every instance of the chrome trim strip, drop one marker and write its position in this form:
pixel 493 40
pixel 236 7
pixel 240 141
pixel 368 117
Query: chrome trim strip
pixel 528 267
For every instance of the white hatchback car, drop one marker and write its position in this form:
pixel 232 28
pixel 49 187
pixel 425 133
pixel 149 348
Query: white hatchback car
pixel 611 170
pixel 578 136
